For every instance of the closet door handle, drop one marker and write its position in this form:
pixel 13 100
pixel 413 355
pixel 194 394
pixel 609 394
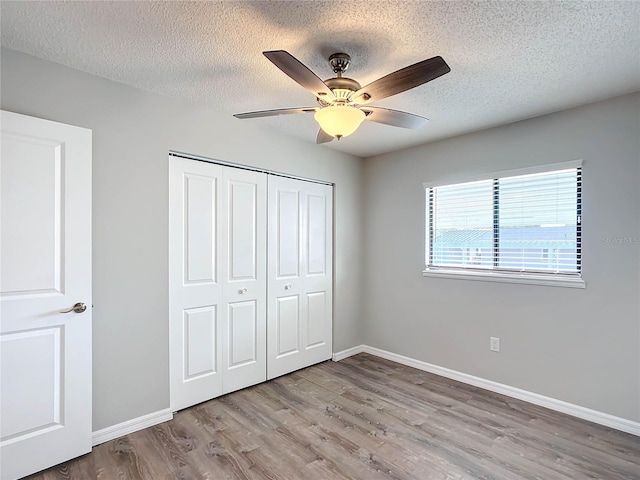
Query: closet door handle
pixel 242 291
pixel 287 286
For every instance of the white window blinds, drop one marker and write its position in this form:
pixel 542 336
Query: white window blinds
pixel 524 223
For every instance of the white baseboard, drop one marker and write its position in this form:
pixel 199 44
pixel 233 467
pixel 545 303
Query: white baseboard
pixel 584 413
pixel 348 353
pixel 130 426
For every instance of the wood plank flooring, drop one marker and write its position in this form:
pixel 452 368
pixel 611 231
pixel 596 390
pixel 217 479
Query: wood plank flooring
pixel 363 418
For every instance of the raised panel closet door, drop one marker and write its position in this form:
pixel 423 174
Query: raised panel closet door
pixel 284 319
pixel 299 275
pixel 317 273
pixel 196 312
pixel 244 272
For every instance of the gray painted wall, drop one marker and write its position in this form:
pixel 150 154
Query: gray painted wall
pixel 581 346
pixel 133 131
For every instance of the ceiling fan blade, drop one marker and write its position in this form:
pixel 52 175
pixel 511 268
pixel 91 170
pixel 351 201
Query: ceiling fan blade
pixel 394 117
pixel 300 73
pixel 401 80
pixel 273 113
pixel 323 137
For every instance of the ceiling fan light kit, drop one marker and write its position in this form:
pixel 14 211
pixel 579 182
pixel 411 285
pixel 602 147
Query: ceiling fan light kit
pixel 339 120
pixel 341 98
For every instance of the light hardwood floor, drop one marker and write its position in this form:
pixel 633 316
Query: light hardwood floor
pixel 363 418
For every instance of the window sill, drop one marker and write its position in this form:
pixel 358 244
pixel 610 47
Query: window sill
pixel 505 277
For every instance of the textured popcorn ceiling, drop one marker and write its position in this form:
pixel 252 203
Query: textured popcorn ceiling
pixel 509 59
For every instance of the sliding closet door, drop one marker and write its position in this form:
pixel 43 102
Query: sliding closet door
pixel 300 275
pixel 196 310
pixel 244 271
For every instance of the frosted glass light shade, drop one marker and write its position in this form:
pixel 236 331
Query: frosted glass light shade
pixel 339 120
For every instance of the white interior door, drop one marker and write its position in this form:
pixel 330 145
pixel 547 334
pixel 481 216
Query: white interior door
pixel 45 256
pixel 196 310
pixel 300 274
pixel 217 286
pixel 245 279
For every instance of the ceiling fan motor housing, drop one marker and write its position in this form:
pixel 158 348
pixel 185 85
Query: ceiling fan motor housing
pixel 341 87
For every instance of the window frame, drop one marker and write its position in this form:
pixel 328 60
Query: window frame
pixel 570 280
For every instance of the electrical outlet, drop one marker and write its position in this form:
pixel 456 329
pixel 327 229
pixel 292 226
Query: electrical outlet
pixel 494 344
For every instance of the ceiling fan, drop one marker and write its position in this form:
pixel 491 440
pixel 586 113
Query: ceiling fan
pixel 343 102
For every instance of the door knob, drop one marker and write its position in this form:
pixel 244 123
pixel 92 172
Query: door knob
pixel 78 308
pixel 287 286
pixel 243 291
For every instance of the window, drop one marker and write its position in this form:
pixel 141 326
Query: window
pixel 518 226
